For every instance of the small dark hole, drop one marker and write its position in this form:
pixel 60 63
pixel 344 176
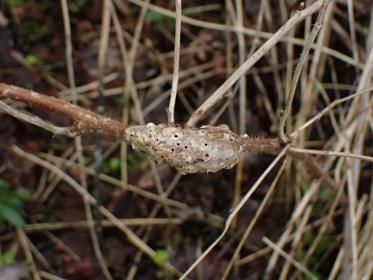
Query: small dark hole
pixel 172 150
pixel 132 134
pixel 178 144
pixel 205 144
pixel 206 155
pixel 176 136
pixel 185 147
pixel 157 140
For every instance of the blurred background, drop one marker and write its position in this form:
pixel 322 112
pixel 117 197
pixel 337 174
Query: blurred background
pixel 121 58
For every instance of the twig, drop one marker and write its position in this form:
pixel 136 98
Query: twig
pixel 22 238
pixel 85 121
pixel 331 153
pixel 68 131
pixel 258 213
pixel 316 70
pixel 220 92
pixel 298 71
pixel 289 258
pixel 175 79
pixel 239 22
pixel 269 146
pixel 351 23
pixel 327 109
pixel 61 245
pixel 105 223
pixel 49 276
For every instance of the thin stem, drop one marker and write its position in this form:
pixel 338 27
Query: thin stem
pixel 298 71
pixel 258 213
pixel 332 153
pixel 333 104
pixel 23 240
pixel 175 79
pixel 68 131
pixel 293 261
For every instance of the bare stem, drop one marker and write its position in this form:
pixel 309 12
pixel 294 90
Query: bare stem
pixel 270 146
pixel 298 71
pixel 175 79
pixel 56 130
pixel 85 121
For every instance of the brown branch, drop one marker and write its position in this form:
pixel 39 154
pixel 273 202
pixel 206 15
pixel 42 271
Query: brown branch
pixel 85 121
pixel 26 117
pixel 270 146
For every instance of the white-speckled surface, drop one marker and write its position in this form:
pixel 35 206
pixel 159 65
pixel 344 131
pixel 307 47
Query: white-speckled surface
pixel 189 150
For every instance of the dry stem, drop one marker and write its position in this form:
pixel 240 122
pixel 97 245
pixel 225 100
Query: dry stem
pixel 298 71
pixel 175 79
pixel 85 121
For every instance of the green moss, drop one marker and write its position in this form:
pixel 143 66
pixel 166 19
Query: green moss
pixel 112 166
pixel 161 256
pixel 8 257
pixel 37 63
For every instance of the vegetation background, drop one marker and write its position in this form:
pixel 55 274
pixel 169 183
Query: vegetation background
pixel 118 60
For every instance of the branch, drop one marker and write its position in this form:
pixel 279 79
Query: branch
pixel 269 146
pixel 206 149
pixel 85 121
pixel 56 130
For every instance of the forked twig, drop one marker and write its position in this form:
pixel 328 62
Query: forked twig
pixel 84 121
pixel 28 118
